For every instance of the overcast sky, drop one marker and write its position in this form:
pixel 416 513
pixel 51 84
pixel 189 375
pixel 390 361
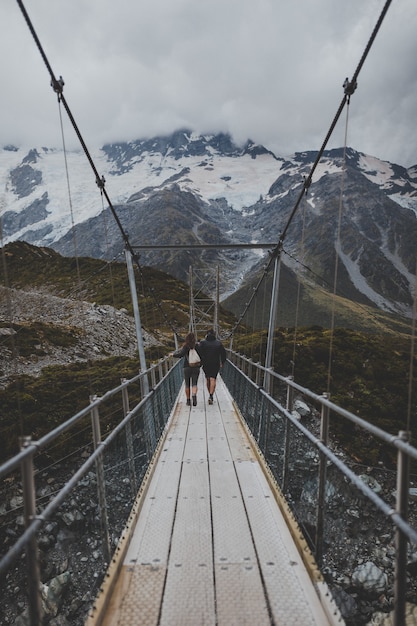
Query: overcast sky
pixel 269 70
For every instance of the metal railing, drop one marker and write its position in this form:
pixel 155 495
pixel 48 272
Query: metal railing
pixel 341 512
pixel 74 511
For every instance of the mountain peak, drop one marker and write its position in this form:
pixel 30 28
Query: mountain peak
pixel 181 143
pixel 205 188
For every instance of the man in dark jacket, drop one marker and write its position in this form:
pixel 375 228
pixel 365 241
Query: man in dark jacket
pixel 213 356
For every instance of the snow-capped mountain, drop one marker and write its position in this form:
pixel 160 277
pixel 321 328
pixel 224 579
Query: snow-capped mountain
pixel 188 189
pixel 36 199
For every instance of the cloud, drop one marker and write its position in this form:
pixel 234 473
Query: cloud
pixel 270 70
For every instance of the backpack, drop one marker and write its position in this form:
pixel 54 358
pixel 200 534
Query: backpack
pixel 193 358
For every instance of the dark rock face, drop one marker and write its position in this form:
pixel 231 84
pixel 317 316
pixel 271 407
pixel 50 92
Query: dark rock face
pixel 25 179
pixel 35 212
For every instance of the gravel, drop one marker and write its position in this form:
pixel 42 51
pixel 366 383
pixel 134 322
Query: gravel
pixel 101 331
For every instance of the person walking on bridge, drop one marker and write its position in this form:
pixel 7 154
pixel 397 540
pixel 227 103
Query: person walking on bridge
pixel 191 366
pixel 213 356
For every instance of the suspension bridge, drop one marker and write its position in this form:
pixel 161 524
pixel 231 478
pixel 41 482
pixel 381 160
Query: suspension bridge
pixel 191 515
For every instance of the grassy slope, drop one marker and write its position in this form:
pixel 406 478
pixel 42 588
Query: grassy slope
pixel 310 305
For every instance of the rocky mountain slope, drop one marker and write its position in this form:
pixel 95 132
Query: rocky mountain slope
pixel 54 311
pixel 91 332
pixel 186 189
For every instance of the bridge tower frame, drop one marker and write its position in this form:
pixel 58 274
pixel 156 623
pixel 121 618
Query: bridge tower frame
pixel 204 310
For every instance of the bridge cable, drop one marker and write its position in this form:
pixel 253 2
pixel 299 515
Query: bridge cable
pixel 325 282
pixel 13 342
pixel 255 291
pixel 297 307
pixel 74 237
pixel 338 249
pixel 349 88
pixel 58 87
pixel 412 353
pixel 110 268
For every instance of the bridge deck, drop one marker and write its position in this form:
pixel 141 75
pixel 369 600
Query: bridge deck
pixel 211 545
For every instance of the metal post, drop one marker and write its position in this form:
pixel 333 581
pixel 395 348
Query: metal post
pixel 148 418
pixel 136 313
pixel 287 435
pixel 153 377
pixel 403 470
pixel 129 440
pixel 216 304
pixel 191 325
pixel 272 322
pixel 258 374
pixel 321 495
pixel 101 488
pixel 32 557
pixel 266 417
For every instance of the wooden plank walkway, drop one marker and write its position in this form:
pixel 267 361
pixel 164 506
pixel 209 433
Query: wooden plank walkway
pixel 211 544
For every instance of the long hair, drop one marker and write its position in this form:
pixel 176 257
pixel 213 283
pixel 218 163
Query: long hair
pixel 190 340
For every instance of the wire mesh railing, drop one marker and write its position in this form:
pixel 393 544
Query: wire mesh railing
pixel 60 525
pixel 360 522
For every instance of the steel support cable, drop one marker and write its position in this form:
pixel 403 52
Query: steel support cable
pixel 9 309
pixel 145 311
pixel 64 149
pixel 412 351
pixel 264 337
pixel 74 235
pixel 297 307
pixel 338 250
pixel 252 328
pixel 109 265
pixel 267 267
pixel 325 282
pixel 349 88
pixel 58 86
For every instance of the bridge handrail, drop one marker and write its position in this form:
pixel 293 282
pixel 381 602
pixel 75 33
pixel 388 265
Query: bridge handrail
pixel 33 447
pixel 323 400
pixel 346 471
pixel 258 423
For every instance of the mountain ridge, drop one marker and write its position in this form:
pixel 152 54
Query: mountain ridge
pixel 185 188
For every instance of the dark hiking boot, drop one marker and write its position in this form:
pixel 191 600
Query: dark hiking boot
pixel 210 401
pixel 194 400
pixel 188 402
